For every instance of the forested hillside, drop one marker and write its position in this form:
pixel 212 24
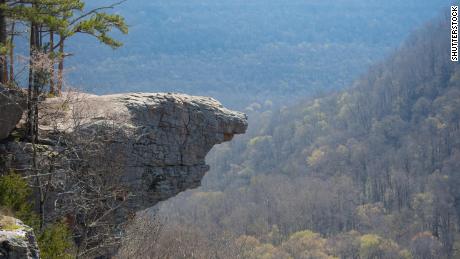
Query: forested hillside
pixel 244 51
pixel 370 172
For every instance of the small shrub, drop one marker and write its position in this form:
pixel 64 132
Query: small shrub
pixel 14 192
pixel 56 242
pixel 14 196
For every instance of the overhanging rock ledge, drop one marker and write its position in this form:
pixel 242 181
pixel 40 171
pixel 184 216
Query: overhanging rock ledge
pixel 161 138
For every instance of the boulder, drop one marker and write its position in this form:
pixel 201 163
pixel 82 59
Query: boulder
pixel 12 106
pixel 17 241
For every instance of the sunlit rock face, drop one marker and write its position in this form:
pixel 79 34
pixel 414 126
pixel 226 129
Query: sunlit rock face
pixel 17 241
pixel 159 139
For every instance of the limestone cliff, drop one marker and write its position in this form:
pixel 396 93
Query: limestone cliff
pixel 155 143
pixel 162 139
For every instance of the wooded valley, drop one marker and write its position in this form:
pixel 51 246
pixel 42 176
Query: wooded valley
pixel 369 172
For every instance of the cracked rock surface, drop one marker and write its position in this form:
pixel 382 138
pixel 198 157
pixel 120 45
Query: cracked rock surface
pixel 161 138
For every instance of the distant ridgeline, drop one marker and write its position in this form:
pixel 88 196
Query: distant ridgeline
pixel 245 51
pixel 374 169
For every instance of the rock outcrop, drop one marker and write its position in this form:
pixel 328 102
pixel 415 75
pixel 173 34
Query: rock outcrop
pixel 103 158
pixel 161 139
pixel 157 142
pixel 12 105
pixel 17 241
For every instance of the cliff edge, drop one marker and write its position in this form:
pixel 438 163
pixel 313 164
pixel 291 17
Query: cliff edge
pixel 160 139
pixel 100 159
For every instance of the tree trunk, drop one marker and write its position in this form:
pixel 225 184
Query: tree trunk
pixel 33 99
pixel 3 42
pixel 61 65
pixel 30 99
pixel 34 83
pixel 11 79
pixel 52 90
